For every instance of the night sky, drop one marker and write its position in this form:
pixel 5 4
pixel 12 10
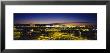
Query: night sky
pixel 48 18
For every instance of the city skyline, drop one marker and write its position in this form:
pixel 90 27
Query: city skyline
pixel 55 26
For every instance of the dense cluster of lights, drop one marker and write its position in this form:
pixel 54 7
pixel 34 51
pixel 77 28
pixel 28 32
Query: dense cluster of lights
pixel 60 36
pixel 55 32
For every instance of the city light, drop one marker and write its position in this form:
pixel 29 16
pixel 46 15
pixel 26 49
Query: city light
pixel 55 26
pixel 47 32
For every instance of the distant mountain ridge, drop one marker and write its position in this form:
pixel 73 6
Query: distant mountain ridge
pixel 75 23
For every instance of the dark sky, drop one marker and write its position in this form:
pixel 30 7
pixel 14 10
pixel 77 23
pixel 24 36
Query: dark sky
pixel 47 18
